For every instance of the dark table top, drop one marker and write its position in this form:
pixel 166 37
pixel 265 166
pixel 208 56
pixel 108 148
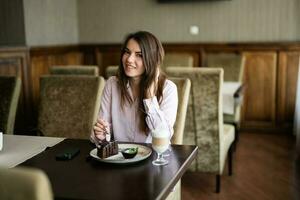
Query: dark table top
pixel 86 178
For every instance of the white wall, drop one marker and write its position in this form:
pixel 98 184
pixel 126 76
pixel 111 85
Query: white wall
pixel 51 22
pixel 107 21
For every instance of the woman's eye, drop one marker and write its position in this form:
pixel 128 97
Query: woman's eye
pixel 139 55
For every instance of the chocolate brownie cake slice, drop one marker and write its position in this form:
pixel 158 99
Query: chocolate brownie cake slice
pixel 107 149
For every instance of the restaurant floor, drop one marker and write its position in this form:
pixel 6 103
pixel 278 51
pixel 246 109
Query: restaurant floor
pixel 265 168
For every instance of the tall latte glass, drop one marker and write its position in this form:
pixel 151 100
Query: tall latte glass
pixel 160 143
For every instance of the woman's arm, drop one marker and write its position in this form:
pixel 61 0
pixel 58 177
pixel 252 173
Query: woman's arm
pixel 102 125
pixel 163 115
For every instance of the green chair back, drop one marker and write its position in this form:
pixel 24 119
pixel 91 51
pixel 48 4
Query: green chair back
pixel 232 64
pixel 75 70
pixel 178 59
pixel 69 105
pixel 204 121
pixel 111 71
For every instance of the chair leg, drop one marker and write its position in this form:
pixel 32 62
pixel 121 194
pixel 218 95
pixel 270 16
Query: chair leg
pixel 218 183
pixel 218 177
pixel 236 136
pixel 230 160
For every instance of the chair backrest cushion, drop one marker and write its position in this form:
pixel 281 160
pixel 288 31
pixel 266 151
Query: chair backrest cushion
pixel 10 88
pixel 178 59
pixel 111 71
pixel 69 105
pixel 204 123
pixel 233 64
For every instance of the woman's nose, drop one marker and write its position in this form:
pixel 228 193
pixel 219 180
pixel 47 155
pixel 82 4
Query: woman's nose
pixel 130 58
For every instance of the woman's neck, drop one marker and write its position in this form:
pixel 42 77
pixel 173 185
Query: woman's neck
pixel 135 87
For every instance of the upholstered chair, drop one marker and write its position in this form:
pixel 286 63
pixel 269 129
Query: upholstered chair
pixel 24 183
pixel 183 91
pixel 10 88
pixel 69 105
pixel 204 123
pixel 233 65
pixel 75 69
pixel 111 71
pixel 178 59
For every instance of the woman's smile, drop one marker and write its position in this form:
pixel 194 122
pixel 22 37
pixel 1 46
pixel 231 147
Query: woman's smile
pixel 130 66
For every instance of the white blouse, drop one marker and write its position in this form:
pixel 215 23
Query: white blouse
pixel 124 122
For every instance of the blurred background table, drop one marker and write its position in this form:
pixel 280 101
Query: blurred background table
pixel 19 148
pixel 232 96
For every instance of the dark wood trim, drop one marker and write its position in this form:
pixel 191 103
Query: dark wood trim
pixel 6 49
pixel 58 49
pixel 242 46
pixel 215 47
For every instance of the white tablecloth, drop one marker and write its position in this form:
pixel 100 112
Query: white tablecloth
pixel 18 148
pixel 229 101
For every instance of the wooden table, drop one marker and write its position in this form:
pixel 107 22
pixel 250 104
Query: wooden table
pixel 86 178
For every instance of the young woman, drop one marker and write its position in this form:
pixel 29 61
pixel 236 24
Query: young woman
pixel 139 99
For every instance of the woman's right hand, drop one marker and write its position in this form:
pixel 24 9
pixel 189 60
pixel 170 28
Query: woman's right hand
pixel 101 128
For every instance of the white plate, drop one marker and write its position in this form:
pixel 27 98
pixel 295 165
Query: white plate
pixel 143 153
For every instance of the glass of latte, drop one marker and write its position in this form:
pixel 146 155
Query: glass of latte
pixel 160 143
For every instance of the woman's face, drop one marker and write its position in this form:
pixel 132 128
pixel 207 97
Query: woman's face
pixel 132 60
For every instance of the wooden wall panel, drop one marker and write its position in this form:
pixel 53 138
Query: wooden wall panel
pixel 287 85
pixel 262 78
pixel 10 66
pixel 106 56
pixel 105 59
pixel 40 64
pixel 260 91
pixel 270 74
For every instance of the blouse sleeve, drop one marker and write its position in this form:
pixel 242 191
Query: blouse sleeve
pixel 105 106
pixel 106 101
pixel 162 115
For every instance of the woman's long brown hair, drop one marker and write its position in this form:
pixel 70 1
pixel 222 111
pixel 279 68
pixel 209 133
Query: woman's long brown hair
pixel 152 55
